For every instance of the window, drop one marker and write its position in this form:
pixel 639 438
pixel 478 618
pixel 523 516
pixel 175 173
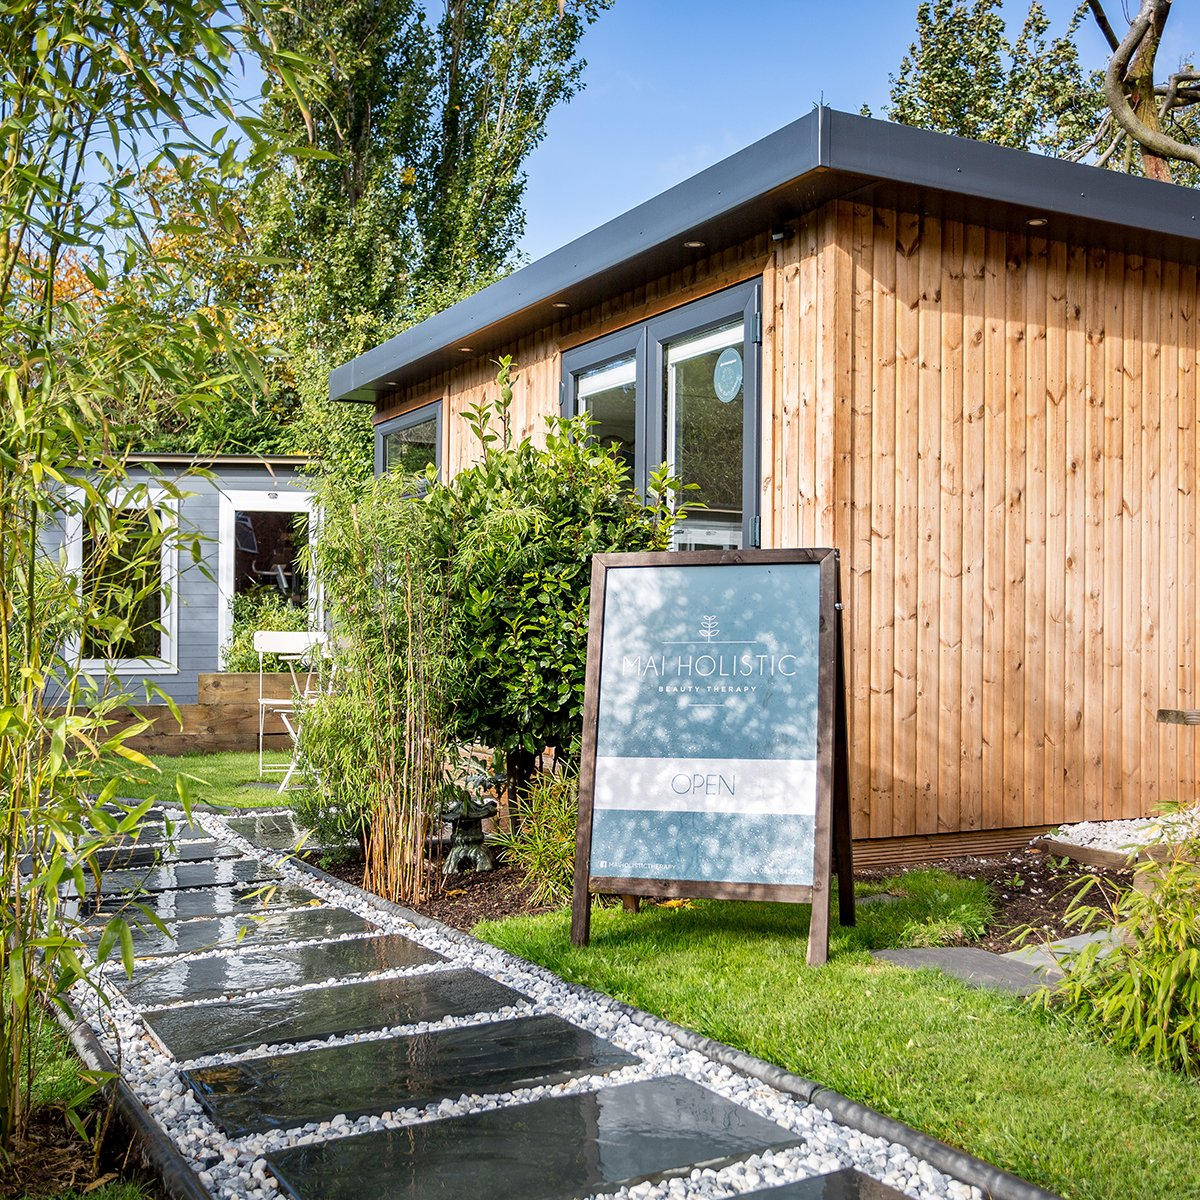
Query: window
pixel 682 388
pixel 125 558
pixel 409 443
pixel 261 537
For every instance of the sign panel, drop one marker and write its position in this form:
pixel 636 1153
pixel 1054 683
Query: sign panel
pixel 706 746
pixel 709 729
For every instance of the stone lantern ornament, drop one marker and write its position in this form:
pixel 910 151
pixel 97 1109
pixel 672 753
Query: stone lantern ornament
pixel 465 806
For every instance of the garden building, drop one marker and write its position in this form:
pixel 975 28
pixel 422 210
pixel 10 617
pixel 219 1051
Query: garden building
pixel 250 518
pixel 970 369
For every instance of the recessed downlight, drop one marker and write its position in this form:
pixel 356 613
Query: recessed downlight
pixel 694 245
pixel 1037 222
pixel 560 304
pixel 464 349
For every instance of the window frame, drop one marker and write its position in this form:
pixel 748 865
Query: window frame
pixel 231 501
pixel 167 504
pixel 647 342
pixel 431 410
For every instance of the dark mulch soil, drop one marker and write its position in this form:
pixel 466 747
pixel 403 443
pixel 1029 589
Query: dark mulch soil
pixel 53 1160
pixel 462 901
pixel 1031 892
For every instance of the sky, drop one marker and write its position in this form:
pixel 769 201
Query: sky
pixel 673 86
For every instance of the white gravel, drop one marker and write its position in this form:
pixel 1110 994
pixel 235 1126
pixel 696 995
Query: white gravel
pixel 1133 835
pixel 231 1168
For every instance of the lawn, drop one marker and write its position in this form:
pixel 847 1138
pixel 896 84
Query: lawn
pixel 228 780
pixel 979 1069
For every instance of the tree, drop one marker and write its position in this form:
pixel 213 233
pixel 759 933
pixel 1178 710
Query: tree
pixel 413 198
pixel 1157 118
pixel 963 76
pixel 92 96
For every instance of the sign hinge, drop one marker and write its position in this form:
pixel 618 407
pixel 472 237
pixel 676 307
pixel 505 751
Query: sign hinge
pixel 756 531
pixel 758 328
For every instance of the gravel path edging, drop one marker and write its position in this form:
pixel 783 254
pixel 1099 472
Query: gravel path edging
pixel 158 1150
pixel 995 1183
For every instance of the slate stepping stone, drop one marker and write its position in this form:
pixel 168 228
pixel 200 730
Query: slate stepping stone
pixel 269 831
pixel 143 854
pixel 215 933
pixel 184 875
pixel 205 902
pixel 980 968
pixel 841 1185
pixel 230 1025
pixel 250 970
pixel 559 1148
pixel 156 830
pixel 407 1072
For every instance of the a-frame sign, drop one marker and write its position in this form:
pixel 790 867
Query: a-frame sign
pixel 714 742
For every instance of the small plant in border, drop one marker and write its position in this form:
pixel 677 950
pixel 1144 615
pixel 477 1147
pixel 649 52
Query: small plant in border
pixel 1140 989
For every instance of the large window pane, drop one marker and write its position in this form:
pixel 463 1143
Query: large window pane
pixel 123 584
pixel 267 554
pixel 608 394
pixel 705 419
pixel 411 449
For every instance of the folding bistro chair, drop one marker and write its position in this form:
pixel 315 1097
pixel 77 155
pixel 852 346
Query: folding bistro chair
pixel 297 649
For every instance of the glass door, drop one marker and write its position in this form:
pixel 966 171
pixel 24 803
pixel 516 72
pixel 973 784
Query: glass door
pixel 706 434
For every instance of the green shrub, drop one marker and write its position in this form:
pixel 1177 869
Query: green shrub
pixel 1141 990
pixel 263 608
pixel 542 840
pixel 514 535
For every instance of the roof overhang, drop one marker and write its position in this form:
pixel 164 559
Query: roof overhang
pixel 825 155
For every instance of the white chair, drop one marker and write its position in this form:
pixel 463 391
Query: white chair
pixel 295 648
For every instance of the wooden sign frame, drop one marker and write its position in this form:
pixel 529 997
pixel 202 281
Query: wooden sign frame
pixel 831 845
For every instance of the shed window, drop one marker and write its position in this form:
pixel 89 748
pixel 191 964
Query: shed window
pixel 682 388
pixel 124 556
pixel 410 443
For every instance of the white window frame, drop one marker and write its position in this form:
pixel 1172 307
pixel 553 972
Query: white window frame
pixel 166 663
pixel 229 503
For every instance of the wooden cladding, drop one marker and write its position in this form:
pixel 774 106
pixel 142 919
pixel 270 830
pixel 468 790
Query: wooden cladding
pixel 999 433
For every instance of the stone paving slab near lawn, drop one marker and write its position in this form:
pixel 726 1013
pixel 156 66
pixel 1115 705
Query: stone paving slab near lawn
pixel 841 1185
pixel 251 970
pixel 346 1008
pixel 289 1090
pixel 252 929
pixel 560 1148
pixel 185 875
pixel 143 854
pixel 981 968
pixel 220 901
pixel 271 831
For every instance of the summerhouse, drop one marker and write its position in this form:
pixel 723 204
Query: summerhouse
pixel 250 517
pixel 971 370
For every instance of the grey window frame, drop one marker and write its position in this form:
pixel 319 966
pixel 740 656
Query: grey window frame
pixel 647 342
pixel 417 416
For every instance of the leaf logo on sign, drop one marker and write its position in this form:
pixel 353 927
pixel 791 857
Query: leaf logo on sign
pixel 709 628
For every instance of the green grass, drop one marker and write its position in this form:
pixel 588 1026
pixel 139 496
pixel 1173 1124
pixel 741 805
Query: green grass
pixel 977 1068
pixel 228 780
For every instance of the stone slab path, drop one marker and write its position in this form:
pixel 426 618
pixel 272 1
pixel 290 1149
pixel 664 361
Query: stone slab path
pixel 295 1037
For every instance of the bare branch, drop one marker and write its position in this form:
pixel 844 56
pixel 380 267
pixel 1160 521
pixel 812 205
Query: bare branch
pixel 1155 142
pixel 1105 28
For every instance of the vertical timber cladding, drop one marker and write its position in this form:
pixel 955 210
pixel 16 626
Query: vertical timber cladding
pixel 714 751
pixel 999 432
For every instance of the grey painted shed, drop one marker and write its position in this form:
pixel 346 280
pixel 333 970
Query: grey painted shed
pixel 250 514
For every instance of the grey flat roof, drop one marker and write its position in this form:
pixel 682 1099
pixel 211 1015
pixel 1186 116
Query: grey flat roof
pixel 824 155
